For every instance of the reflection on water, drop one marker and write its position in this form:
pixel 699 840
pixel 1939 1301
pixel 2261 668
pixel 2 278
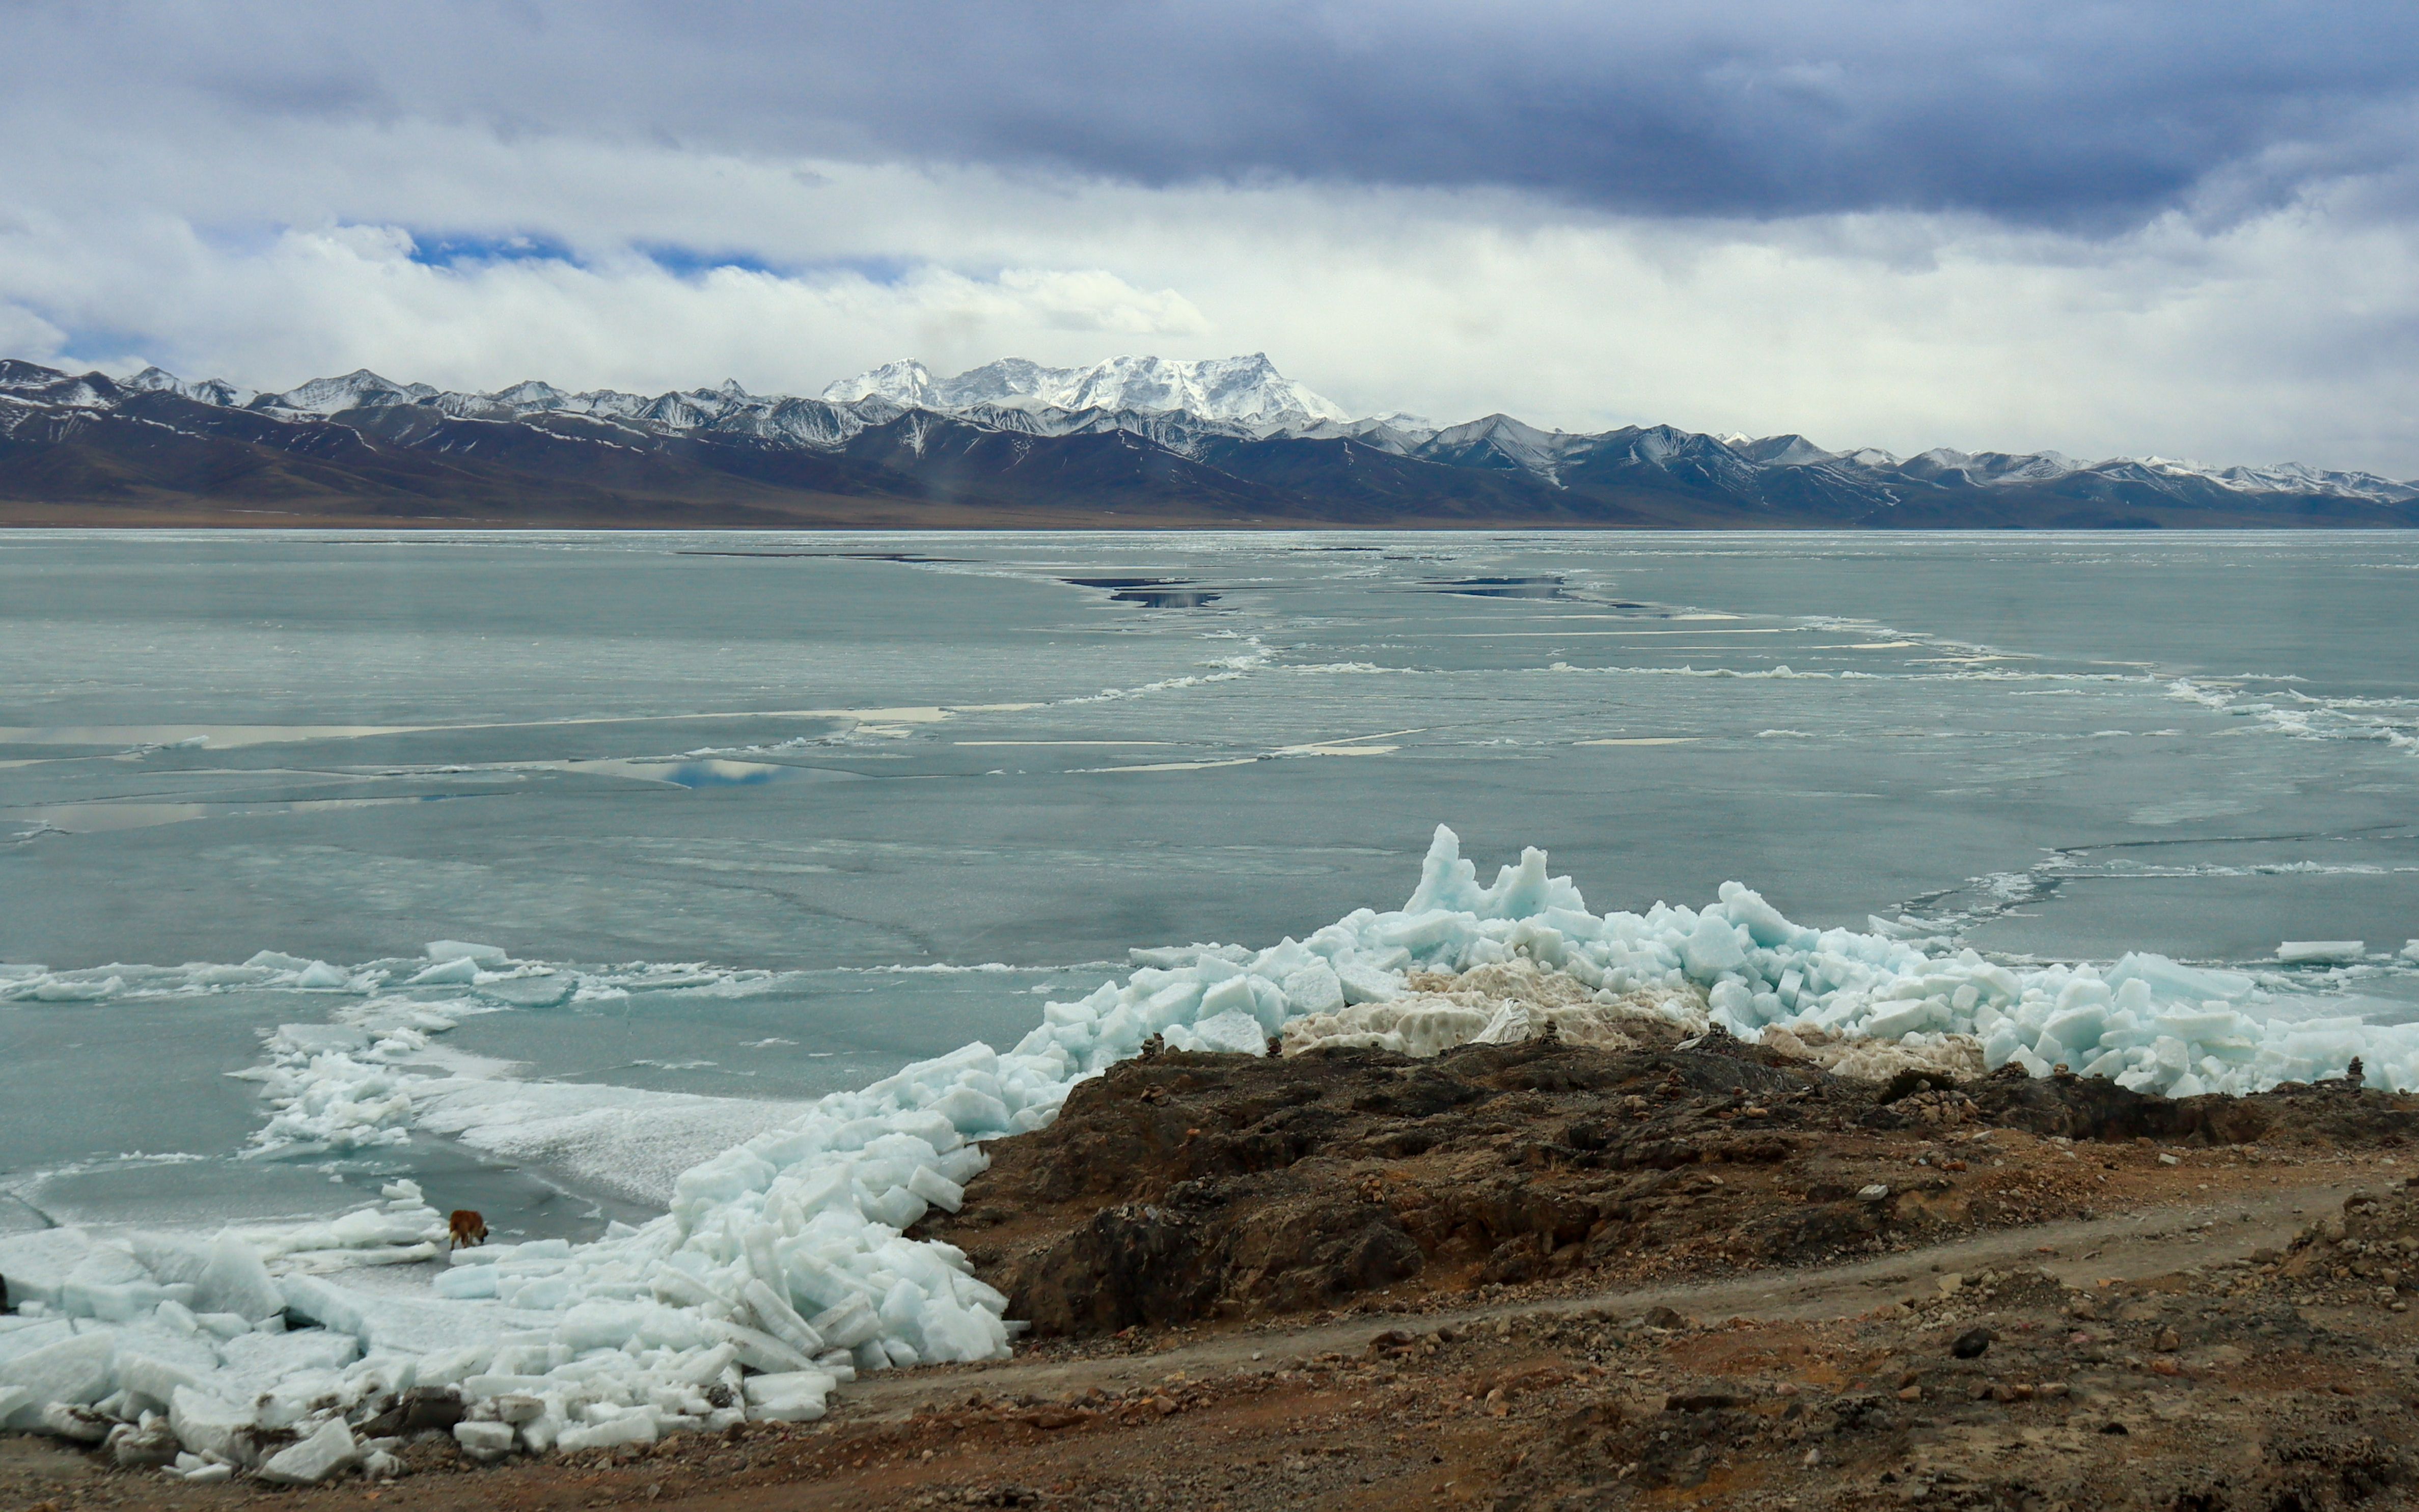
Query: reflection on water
pixel 711 773
pixel 695 772
pixel 101 818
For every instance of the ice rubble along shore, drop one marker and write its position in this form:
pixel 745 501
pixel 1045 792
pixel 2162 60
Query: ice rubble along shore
pixel 782 1268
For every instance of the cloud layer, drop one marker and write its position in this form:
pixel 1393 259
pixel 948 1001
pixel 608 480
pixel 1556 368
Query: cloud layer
pixel 2032 110
pixel 2140 228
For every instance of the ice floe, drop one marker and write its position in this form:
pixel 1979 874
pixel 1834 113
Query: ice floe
pixel 487 977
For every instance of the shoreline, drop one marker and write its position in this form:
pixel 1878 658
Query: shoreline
pixel 2218 1317
pixel 1491 1098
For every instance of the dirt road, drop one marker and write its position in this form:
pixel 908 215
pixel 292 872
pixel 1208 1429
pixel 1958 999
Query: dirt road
pixel 2080 1253
pixel 1364 1411
pixel 1534 1277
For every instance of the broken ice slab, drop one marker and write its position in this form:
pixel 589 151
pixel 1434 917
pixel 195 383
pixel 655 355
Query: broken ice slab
pixel 486 955
pixel 2321 952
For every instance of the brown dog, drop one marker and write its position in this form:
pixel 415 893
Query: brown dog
pixel 469 1229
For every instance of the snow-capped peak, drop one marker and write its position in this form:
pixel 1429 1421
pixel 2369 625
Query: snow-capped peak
pixel 153 380
pixel 1240 389
pixel 1500 442
pixel 1405 422
pixel 1778 451
pixel 530 393
pixel 1871 456
pixel 907 383
pixel 360 389
pixel 208 390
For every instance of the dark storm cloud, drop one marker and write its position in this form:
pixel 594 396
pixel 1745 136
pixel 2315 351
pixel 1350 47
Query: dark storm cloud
pixel 2041 113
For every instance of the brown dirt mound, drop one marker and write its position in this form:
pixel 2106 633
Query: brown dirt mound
pixel 1186 1187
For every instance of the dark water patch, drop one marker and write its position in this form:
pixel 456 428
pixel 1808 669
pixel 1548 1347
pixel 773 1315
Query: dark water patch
pixel 1497 587
pixel 1168 597
pixel 1152 593
pixel 843 556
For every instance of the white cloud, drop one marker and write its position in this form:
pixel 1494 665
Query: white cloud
pixel 311 302
pixel 2252 338
pixel 23 333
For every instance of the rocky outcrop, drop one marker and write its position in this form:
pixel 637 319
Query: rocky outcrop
pixel 1189 1187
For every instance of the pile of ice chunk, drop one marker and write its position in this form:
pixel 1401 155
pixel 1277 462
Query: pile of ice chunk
pixel 338 1088
pixel 784 1265
pixel 172 1348
pixel 1500 1004
pixel 2145 1022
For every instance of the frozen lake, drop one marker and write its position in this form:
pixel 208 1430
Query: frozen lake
pixel 756 808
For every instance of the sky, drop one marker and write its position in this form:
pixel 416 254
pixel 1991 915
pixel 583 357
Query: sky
pixel 2142 228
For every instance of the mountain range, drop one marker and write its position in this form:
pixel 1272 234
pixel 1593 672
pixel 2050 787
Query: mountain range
pixel 1133 441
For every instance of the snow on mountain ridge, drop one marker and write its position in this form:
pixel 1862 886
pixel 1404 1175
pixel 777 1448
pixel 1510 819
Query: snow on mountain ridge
pixel 208 390
pixel 1185 406
pixel 360 389
pixel 1249 389
pixel 909 383
pixel 1784 450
